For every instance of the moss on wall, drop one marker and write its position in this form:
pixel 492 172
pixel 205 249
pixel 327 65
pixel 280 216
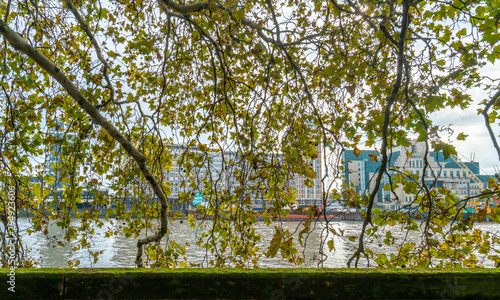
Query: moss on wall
pixel 252 283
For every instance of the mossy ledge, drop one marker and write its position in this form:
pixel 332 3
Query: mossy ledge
pixel 252 284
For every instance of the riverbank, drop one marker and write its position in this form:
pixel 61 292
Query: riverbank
pixel 253 284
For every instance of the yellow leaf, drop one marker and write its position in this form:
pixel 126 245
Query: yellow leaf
pixel 482 214
pixel 356 152
pixel 461 136
pixel 330 245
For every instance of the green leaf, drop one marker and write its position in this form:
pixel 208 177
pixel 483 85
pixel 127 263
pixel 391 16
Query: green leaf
pixel 495 213
pixel 381 259
pixel 330 245
pixel 329 71
pixel 461 32
pixel 239 14
pixel 461 136
pixel 449 150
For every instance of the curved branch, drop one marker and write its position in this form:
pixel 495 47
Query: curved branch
pixel 181 10
pixel 86 28
pixel 487 121
pixel 21 45
pixel 188 8
pixel 387 114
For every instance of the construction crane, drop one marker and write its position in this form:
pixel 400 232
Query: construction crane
pixel 462 166
pixel 468 171
pixel 471 206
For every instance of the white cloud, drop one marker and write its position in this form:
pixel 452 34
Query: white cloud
pixel 478 142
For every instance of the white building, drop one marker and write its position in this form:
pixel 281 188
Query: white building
pixel 218 174
pixel 461 178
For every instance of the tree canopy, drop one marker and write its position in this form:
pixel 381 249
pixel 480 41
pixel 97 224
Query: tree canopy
pixel 124 83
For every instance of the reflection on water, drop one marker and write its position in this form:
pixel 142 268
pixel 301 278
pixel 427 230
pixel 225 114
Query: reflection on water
pixel 119 251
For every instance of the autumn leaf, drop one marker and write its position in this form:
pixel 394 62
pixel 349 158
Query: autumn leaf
pixel 461 136
pixel 356 152
pixel 351 89
pixel 495 213
pixel 219 101
pixel 481 215
pixel 330 245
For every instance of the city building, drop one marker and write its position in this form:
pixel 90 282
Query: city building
pixel 461 178
pixel 310 195
pixel 224 172
pixel 53 157
pixel 52 174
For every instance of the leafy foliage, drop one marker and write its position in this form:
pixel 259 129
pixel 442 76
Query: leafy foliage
pixel 261 79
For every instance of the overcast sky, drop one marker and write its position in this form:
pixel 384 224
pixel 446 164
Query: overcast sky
pixel 469 122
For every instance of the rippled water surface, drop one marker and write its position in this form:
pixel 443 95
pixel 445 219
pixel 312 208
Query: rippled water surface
pixel 119 251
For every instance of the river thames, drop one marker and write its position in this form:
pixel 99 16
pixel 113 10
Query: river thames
pixel 119 251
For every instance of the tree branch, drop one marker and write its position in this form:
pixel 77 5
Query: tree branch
pixel 22 46
pixel 86 28
pixel 182 10
pixel 387 115
pixel 487 121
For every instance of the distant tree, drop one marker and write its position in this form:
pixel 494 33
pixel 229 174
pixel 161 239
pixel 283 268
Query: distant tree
pixel 131 79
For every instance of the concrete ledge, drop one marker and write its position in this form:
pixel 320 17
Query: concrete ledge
pixel 252 284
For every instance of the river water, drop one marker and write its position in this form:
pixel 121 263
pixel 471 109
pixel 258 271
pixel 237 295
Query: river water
pixel 119 251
